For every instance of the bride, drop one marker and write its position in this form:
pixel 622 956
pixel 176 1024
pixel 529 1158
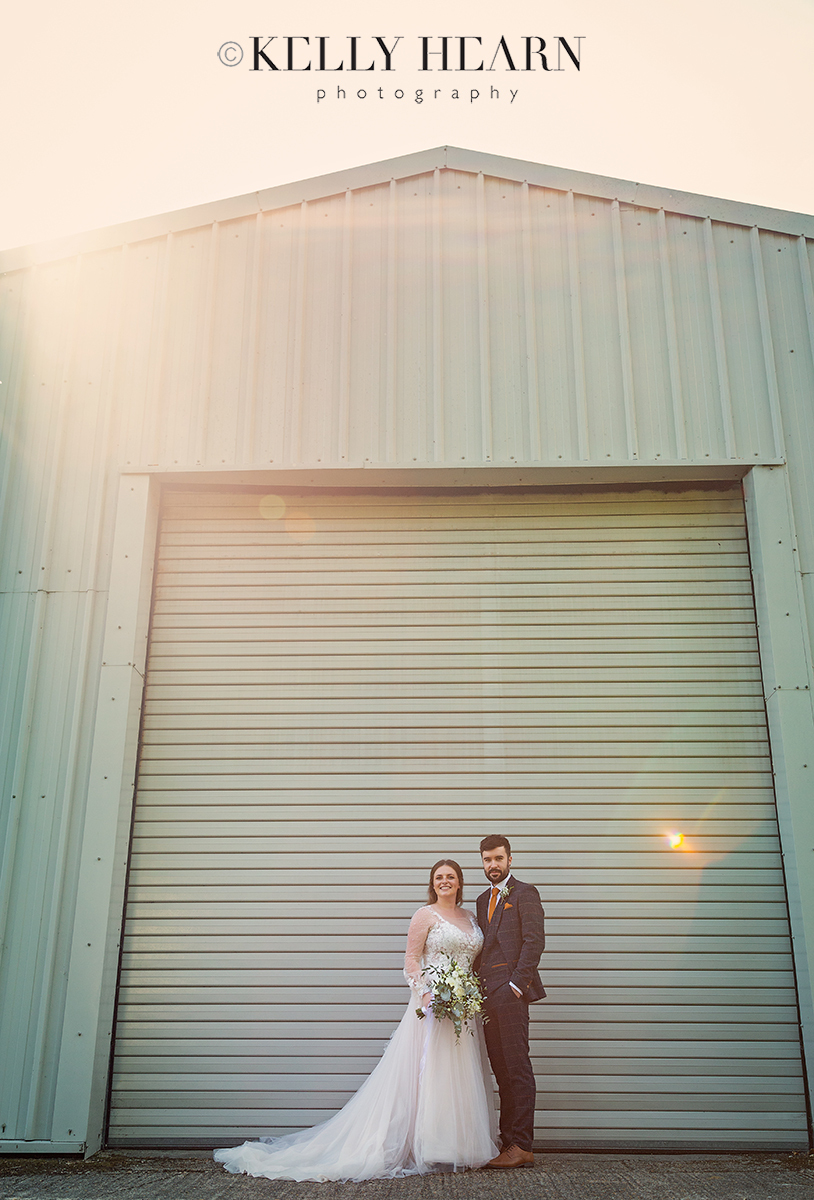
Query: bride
pixel 428 1104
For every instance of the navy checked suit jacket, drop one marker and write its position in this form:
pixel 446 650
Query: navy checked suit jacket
pixel 513 941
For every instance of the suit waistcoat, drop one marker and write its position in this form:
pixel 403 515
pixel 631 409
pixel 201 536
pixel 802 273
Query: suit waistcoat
pixel 491 952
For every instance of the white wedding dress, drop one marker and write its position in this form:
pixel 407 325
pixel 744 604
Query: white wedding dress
pixel 427 1105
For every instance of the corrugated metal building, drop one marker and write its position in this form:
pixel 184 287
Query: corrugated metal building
pixel 442 496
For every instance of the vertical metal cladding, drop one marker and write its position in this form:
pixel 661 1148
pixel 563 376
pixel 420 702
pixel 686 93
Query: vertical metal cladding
pixel 56 521
pixel 450 317
pixel 788 267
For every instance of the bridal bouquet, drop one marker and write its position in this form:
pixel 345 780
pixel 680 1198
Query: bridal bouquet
pixel 456 994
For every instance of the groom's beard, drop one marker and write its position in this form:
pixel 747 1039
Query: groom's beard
pixel 495 875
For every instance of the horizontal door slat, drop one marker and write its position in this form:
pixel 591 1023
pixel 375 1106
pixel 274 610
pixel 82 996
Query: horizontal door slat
pixel 345 691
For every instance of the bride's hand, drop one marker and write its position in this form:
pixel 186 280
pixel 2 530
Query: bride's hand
pixel 426 1000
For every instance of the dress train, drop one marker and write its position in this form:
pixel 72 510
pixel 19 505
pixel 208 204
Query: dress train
pixel 427 1105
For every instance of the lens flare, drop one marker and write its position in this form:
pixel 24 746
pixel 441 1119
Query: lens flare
pixel 675 840
pixel 272 508
pixel 300 525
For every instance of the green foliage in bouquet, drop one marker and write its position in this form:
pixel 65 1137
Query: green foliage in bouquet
pixel 456 995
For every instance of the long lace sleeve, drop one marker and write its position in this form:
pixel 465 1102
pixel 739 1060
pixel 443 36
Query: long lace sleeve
pixel 416 939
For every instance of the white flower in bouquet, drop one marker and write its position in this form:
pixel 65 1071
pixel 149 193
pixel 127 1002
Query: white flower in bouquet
pixel 456 995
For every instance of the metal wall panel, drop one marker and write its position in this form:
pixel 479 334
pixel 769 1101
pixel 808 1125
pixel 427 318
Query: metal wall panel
pixel 341 689
pixel 446 318
pixel 483 311
pixel 788 267
pixel 56 518
pixel 394 324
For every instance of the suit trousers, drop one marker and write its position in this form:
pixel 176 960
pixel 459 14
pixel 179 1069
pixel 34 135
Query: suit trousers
pixel 507 1040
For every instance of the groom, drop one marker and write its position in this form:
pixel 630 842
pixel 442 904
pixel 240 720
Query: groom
pixel 511 917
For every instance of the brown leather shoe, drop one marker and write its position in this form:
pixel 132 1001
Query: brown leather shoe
pixel 512 1156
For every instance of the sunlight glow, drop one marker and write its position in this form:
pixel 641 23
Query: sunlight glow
pixel 272 507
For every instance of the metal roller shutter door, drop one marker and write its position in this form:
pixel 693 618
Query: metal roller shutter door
pixel 343 688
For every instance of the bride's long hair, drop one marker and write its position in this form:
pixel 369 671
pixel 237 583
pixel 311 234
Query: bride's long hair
pixel 446 862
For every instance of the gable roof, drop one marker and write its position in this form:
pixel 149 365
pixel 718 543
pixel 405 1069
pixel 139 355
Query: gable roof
pixel 425 161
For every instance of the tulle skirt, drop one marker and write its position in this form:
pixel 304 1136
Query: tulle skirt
pixel 428 1105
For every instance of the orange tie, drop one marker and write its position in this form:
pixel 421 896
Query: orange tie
pixel 493 902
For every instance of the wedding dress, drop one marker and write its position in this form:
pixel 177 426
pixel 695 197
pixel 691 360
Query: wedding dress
pixel 427 1105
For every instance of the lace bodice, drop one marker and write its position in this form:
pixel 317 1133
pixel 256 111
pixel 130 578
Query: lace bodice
pixel 433 940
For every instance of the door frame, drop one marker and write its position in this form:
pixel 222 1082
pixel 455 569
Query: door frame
pixel 785 652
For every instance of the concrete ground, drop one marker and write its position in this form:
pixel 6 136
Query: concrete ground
pixel 192 1175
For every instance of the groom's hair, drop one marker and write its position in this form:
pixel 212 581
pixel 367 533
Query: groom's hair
pixel 432 895
pixel 494 841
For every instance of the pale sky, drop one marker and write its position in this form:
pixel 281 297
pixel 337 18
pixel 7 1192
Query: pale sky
pixel 118 111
